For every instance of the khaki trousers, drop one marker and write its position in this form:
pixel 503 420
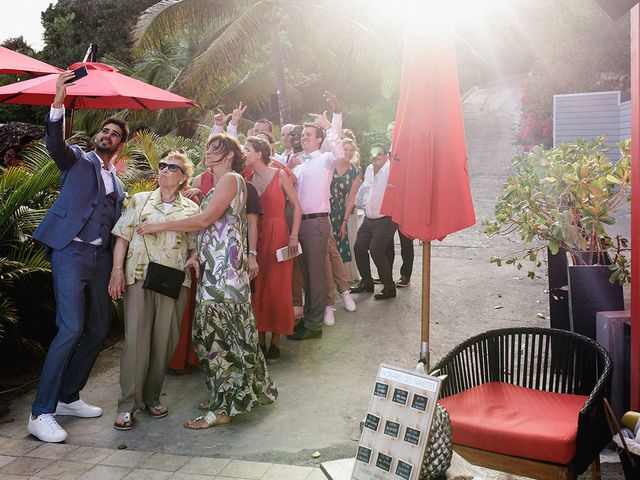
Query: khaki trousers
pixel 152 328
pixel 334 271
pixel 297 284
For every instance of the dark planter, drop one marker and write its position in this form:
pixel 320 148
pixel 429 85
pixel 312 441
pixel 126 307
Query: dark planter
pixel 558 290
pixel 590 292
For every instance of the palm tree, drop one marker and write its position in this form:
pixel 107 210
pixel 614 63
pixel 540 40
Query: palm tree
pixel 25 194
pixel 241 43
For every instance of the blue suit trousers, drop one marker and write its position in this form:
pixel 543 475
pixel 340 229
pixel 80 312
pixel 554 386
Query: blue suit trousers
pixel 80 278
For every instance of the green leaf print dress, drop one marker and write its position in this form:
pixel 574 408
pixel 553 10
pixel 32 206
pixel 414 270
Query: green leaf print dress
pixel 225 335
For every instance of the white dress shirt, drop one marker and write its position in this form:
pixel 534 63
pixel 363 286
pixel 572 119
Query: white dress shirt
pixel 231 130
pixel 336 126
pixel 314 176
pixel 283 157
pixel 363 191
pixel 376 192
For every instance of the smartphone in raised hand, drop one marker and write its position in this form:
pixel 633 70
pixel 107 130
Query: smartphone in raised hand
pixel 78 73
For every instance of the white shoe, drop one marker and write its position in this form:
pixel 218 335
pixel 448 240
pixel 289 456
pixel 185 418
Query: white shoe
pixel 46 429
pixel 349 304
pixel 329 319
pixel 79 408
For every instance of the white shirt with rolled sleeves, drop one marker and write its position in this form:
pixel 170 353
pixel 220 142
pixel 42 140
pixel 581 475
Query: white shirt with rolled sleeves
pixel 315 174
pixel 231 130
pixel 376 192
pixel 363 191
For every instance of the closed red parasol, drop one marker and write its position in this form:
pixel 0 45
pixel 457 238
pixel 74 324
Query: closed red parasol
pixel 428 192
pixel 14 63
pixel 103 87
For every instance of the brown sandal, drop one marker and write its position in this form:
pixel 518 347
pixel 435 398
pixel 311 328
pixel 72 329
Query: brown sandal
pixel 124 421
pixel 208 420
pixel 156 411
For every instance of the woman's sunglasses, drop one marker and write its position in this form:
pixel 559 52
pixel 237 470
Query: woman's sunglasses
pixel 171 166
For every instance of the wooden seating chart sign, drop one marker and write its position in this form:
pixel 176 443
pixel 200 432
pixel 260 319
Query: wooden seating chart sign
pixel 397 425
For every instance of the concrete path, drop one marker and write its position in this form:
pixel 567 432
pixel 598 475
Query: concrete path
pixel 325 384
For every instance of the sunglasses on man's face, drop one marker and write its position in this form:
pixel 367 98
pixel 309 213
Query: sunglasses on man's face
pixel 171 166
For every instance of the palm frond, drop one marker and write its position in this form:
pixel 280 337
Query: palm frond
pixel 32 185
pixel 142 186
pixel 237 45
pixel 8 314
pixel 169 19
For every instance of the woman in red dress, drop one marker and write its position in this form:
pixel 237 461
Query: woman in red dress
pixel 272 301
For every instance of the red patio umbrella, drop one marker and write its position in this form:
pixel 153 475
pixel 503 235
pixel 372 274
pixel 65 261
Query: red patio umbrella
pixel 428 192
pixel 103 87
pixel 15 63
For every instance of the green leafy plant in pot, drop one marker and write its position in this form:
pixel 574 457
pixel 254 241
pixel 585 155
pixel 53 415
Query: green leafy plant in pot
pixel 562 200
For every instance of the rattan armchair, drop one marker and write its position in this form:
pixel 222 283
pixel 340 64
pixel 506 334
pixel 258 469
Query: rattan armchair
pixel 540 359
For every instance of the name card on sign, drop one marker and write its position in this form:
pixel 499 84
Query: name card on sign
pixel 397 425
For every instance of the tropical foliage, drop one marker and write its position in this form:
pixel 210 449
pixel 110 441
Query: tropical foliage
pixel 25 194
pixel 564 198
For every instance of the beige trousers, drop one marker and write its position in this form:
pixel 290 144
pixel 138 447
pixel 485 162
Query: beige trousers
pixel 152 327
pixel 334 270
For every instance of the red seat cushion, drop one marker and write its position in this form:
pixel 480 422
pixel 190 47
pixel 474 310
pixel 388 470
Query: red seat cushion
pixel 517 421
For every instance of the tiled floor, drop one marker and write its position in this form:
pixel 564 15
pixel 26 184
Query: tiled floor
pixel 27 459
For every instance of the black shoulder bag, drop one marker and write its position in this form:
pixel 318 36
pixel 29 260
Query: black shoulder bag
pixel 160 278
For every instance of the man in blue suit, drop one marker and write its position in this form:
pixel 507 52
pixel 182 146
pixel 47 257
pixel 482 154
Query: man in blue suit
pixel 77 233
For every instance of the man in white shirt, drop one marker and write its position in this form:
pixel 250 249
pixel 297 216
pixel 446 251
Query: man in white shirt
pixel 376 231
pixel 314 176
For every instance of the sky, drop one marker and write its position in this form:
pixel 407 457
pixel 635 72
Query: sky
pixel 22 17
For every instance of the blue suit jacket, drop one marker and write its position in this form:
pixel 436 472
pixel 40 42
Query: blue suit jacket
pixel 81 191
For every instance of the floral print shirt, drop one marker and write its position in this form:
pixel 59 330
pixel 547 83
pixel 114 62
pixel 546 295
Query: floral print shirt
pixel 168 248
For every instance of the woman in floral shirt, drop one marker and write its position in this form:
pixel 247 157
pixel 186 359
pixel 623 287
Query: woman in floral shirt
pixel 152 320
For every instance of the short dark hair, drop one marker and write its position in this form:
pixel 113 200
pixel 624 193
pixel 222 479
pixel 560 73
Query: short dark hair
pixel 120 123
pixel 227 144
pixel 320 133
pixel 260 145
pixel 267 121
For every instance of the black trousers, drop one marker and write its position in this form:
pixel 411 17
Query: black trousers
pixel 406 252
pixel 374 236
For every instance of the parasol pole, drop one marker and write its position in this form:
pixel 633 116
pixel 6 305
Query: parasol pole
pixel 426 304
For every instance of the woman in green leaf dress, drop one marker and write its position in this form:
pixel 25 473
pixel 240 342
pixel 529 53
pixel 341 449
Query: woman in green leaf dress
pixel 225 335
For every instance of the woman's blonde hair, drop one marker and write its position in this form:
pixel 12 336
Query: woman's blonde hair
pixel 355 161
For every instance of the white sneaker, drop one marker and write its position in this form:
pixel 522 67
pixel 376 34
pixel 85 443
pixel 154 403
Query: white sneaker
pixel 79 408
pixel 329 319
pixel 46 429
pixel 349 304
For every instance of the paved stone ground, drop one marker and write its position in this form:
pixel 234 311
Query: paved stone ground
pixel 325 384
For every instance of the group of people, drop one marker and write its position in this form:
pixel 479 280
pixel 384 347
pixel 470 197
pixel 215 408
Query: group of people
pixel 252 233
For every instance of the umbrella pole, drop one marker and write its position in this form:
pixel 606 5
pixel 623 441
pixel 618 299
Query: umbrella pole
pixel 426 303
pixel 68 126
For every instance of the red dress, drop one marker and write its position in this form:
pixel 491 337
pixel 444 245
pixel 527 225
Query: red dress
pixel 185 355
pixel 272 301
